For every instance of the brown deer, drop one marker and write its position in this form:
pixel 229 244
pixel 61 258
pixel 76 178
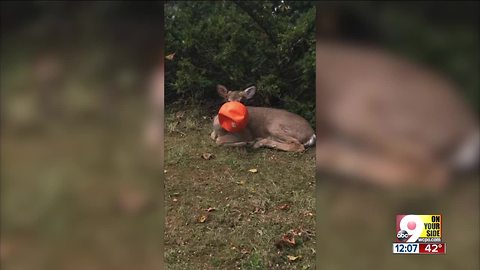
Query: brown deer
pixel 267 127
pixel 387 120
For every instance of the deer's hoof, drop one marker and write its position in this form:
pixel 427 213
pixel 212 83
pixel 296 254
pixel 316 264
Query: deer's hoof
pixel 213 135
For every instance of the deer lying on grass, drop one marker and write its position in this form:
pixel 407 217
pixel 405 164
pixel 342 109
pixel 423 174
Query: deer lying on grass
pixel 267 127
pixel 384 119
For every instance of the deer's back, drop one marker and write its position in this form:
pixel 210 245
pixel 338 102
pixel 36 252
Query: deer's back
pixel 367 91
pixel 266 122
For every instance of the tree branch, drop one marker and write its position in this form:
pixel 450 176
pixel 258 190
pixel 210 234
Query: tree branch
pixel 258 21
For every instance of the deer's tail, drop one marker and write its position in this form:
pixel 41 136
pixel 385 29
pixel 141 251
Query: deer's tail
pixel 311 141
pixel 467 156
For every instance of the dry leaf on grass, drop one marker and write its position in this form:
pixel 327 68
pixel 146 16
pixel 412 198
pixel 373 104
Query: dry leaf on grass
pixel 253 170
pixel 287 240
pixel 210 209
pixel 309 214
pixel 293 258
pixel 284 207
pixel 245 251
pixel 207 156
pixel 202 218
pixel 241 182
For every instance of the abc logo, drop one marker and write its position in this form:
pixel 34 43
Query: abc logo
pixel 402 235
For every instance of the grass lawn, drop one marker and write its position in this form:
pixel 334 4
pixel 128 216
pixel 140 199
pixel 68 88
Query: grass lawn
pixel 221 215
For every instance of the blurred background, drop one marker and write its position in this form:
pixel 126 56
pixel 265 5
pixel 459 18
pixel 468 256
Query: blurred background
pixel 78 189
pixel 442 36
pixel 356 220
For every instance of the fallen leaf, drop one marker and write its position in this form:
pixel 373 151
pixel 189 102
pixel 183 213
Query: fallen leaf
pixel 210 209
pixel 290 239
pixel 245 251
pixel 284 207
pixel 293 258
pixel 253 170
pixel 175 199
pixel 202 218
pixel 287 240
pixel 170 56
pixel 309 214
pixel 207 156
pixel 241 182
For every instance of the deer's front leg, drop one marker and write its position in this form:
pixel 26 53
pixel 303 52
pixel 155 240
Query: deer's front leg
pixel 213 135
pixel 217 129
pixel 229 139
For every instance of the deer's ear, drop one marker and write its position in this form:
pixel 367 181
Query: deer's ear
pixel 222 90
pixel 249 92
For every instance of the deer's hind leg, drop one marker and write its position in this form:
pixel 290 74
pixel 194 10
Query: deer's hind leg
pixel 289 147
pixel 378 168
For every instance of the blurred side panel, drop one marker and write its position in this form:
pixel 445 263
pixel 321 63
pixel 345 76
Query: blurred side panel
pixel 398 131
pixel 82 135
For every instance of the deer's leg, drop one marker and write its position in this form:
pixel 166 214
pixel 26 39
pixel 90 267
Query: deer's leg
pixel 228 140
pixel 216 128
pixel 242 138
pixel 378 168
pixel 213 135
pixel 289 147
pixel 293 142
pixel 234 144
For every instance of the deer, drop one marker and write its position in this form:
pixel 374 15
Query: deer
pixel 390 121
pixel 267 127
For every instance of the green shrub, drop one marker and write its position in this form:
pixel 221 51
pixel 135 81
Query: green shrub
pixel 269 44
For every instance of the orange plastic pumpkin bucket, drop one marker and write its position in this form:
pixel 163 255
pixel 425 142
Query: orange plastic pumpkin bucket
pixel 233 116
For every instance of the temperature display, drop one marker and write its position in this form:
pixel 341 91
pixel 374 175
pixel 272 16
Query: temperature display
pixel 434 248
pixel 419 248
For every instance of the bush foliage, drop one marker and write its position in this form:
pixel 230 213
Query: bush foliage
pixel 270 44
